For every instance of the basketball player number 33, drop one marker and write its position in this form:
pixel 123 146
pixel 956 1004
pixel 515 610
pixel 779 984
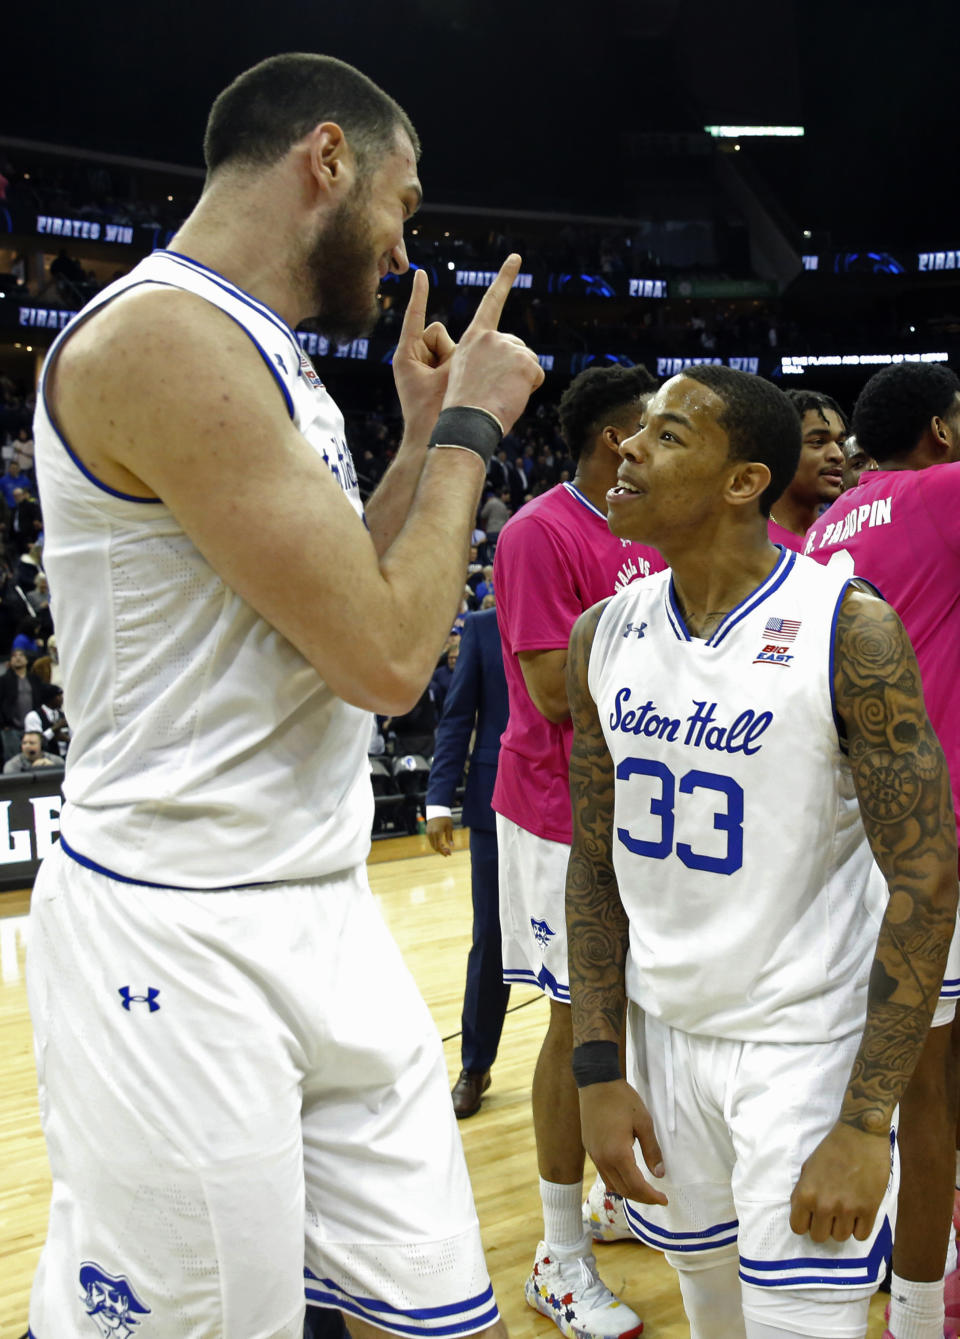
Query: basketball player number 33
pixel 728 819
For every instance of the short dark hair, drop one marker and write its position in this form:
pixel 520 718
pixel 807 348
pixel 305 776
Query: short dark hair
pixel 897 404
pixel 804 400
pixel 593 396
pixel 759 421
pixel 270 107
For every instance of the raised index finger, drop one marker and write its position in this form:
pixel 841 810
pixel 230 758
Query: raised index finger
pixel 416 313
pixel 487 316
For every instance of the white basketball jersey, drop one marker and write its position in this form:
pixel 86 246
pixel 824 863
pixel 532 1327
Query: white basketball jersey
pixel 753 897
pixel 207 752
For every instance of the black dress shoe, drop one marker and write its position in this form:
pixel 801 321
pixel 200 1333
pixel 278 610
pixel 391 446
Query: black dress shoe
pixel 468 1093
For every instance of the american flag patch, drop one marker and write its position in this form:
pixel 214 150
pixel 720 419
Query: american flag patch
pixel 785 629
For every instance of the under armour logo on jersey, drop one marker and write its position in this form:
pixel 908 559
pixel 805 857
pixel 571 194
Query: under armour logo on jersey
pixel 150 999
pixel 638 630
pixel 542 932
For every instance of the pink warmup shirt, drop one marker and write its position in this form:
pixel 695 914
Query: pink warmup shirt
pixel 554 559
pixel 778 535
pixel 902 529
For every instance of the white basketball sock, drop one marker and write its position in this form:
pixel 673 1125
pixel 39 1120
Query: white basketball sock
pixel 951 1262
pixel 563 1215
pixel 916 1309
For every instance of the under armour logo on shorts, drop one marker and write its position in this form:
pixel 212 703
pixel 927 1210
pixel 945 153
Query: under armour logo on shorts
pixel 150 999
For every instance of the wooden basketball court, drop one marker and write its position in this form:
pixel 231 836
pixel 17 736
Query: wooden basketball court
pixel 426 902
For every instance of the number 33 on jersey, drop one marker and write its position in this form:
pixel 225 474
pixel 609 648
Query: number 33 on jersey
pixel 730 852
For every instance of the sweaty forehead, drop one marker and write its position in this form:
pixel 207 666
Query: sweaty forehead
pixel 683 398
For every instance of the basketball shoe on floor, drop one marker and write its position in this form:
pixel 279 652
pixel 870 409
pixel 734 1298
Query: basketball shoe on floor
pixel 951 1297
pixel 566 1288
pixel 604 1216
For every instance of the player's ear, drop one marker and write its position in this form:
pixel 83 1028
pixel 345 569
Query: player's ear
pixel 329 158
pixel 747 481
pixel 611 437
pixel 941 438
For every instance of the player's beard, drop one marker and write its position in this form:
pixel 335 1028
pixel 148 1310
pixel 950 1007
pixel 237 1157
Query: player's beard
pixel 339 266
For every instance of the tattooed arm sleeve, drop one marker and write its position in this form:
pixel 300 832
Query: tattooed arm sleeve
pixel 904 792
pixel 597 929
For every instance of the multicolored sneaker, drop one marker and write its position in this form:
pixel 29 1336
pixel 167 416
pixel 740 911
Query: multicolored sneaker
pixel 951 1297
pixel 604 1216
pixel 568 1290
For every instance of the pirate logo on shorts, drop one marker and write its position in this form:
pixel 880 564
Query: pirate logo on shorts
pixel 542 932
pixel 111 1302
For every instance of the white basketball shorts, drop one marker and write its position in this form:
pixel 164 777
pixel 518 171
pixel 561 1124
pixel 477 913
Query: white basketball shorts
pixel 245 1104
pixel 533 925
pixel 736 1121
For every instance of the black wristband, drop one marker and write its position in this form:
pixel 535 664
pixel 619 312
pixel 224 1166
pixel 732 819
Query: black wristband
pixel 596 1062
pixel 469 428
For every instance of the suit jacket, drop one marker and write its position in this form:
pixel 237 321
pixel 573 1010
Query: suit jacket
pixel 477 694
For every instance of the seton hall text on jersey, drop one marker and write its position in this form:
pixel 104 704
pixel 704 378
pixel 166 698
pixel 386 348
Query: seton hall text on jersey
pixel 632 568
pixel 703 729
pixel 872 513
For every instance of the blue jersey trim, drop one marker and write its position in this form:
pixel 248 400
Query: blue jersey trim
pixel 674 616
pixel 418 1313
pixel 812 1269
pixel 266 358
pixel 575 493
pixel 543 980
pixel 87 863
pixel 328 1293
pixel 70 328
pixel 708 1239
pixel 831 666
pixel 774 580
pixel 267 312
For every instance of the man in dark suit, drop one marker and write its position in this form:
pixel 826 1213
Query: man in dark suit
pixel 477 696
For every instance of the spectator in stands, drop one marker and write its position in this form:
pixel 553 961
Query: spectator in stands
pixel 23 452
pixel 474 568
pixel 28 638
pixel 50 721
pixel 31 756
pixel 494 514
pixel 26 522
pixel 55 673
pixel 37 593
pixel 27 569
pixel 484 587
pixel 11 481
pixel 819 477
pixel 42 668
pixel 20 692
pixel 14 608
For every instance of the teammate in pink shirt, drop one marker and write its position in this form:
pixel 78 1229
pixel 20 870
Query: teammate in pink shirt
pixel 554 559
pixel 819 476
pixel 900 527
